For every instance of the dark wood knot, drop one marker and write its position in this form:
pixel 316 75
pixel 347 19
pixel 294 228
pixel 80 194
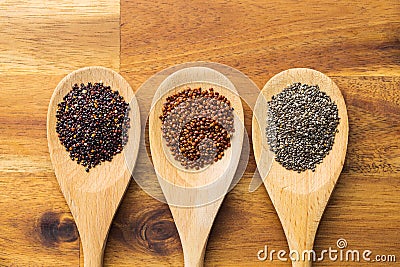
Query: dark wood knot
pixel 152 230
pixel 55 228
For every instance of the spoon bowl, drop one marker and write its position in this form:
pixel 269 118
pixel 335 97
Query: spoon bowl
pixel 299 198
pixel 194 197
pixel 94 196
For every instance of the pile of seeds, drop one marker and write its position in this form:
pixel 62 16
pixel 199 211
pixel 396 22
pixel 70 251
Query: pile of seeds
pixel 301 126
pixel 92 123
pixel 197 126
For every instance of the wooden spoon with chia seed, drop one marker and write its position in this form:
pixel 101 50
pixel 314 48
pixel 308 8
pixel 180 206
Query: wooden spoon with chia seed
pixel 299 198
pixel 194 197
pixel 93 196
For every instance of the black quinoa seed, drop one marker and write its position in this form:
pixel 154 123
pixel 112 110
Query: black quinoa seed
pixel 92 123
pixel 301 126
pixel 197 126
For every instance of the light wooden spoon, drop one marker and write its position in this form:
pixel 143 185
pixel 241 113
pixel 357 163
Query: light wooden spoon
pixel 299 198
pixel 194 197
pixel 94 196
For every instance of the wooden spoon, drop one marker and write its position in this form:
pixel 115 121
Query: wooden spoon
pixel 94 196
pixel 299 198
pixel 194 197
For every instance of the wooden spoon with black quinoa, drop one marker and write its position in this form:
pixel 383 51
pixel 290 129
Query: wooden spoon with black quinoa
pixel 93 133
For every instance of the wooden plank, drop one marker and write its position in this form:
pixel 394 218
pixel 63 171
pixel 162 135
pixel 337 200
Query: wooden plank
pixel 356 44
pixel 143 232
pixel 59 36
pixel 262 38
pixel 40 43
pixel 36 226
pixel 139 212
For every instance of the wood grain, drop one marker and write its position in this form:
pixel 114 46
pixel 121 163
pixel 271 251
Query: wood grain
pixel 260 38
pixel 40 43
pixel 355 43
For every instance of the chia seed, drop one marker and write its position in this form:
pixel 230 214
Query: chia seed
pixel 92 124
pixel 301 126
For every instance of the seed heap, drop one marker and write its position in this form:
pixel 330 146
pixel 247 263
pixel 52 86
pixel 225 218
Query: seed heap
pixel 197 126
pixel 92 123
pixel 301 126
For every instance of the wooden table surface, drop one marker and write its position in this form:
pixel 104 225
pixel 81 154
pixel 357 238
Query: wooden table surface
pixel 356 43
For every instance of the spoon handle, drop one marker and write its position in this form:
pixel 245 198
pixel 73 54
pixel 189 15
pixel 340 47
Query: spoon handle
pixel 305 263
pixel 300 216
pixel 194 225
pixel 93 224
pixel 193 258
pixel 302 253
pixel 93 248
pixel 92 257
